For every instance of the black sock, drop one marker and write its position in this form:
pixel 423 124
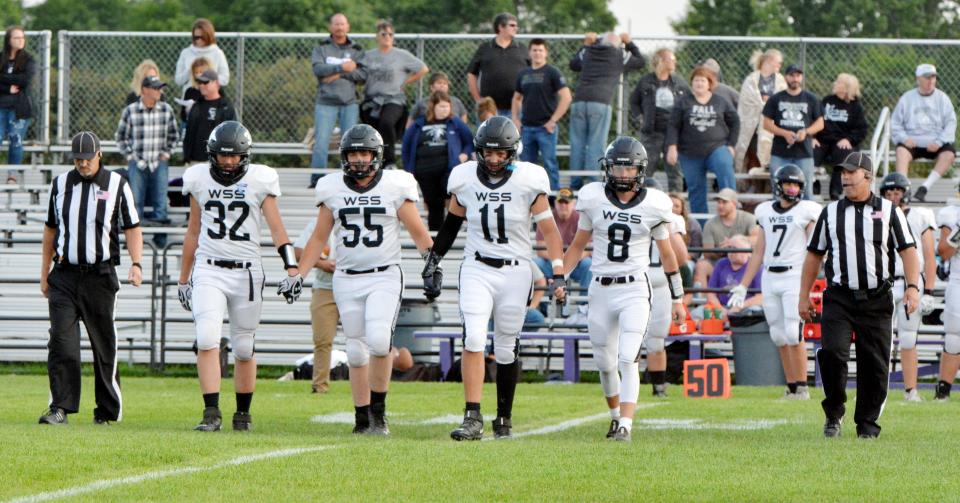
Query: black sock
pixel 378 402
pixel 362 415
pixel 211 400
pixel 243 401
pixel 946 386
pixel 473 406
pixel 657 376
pixel 506 388
pixel 792 386
pixel 907 390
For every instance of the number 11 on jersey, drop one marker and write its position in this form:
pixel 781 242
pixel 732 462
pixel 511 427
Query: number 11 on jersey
pixel 500 213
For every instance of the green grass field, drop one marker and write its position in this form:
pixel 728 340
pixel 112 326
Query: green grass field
pixel 748 448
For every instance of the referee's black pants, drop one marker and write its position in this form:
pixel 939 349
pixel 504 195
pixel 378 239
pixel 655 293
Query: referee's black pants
pixel 870 317
pixel 88 295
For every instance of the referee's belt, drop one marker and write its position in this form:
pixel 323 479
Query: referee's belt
pixel 871 293
pixel 366 271
pixel 495 262
pixel 230 264
pixel 779 268
pixel 99 268
pixel 610 280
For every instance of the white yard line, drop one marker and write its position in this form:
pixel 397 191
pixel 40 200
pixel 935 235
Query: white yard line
pixel 160 474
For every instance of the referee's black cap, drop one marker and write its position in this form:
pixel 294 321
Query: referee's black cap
pixel 85 145
pixel 856 161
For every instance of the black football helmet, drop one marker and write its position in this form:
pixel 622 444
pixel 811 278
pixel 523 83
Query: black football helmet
pixel 361 137
pixel 229 138
pixel 624 151
pixel 788 173
pixel 896 181
pixel 496 133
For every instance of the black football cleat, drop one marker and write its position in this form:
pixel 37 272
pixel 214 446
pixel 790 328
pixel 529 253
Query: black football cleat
pixel 614 424
pixel 920 195
pixel 660 390
pixel 242 421
pixel 622 435
pixel 212 420
pixel 831 429
pixel 361 423
pixel 378 425
pixel 54 415
pixel 942 392
pixel 471 428
pixel 501 427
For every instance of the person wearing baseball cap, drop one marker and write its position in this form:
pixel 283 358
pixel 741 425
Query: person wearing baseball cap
pixel 567 218
pixel 209 111
pixel 924 125
pixel 794 117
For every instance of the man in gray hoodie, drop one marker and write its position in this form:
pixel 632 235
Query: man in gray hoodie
pixel 335 65
pixel 924 125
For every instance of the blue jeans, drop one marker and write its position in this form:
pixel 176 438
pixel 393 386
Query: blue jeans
pixel 505 112
pixel 325 117
pixel 536 140
pixel 589 127
pixel 581 273
pixel 14 130
pixel 804 163
pixel 720 162
pixel 149 186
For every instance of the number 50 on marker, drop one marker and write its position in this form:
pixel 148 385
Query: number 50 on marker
pixel 706 378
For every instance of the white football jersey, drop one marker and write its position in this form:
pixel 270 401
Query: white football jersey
pixel 919 219
pixel 785 231
pixel 365 219
pixel 499 214
pixel 949 217
pixel 677 226
pixel 230 216
pixel 623 233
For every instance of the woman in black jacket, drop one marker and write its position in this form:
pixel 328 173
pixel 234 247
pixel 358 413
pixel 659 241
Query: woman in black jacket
pixel 844 127
pixel 17 69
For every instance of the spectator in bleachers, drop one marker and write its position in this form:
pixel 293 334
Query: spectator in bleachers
pixel 567 219
pixel 729 272
pixel 541 99
pixel 486 108
pixel 438 82
pixel 493 70
pixel 324 314
pixel 212 109
pixel 701 133
pixel 600 64
pixel 334 63
pixel 146 68
pixel 757 88
pixel 728 222
pixel 722 89
pixel 204 46
pixel 794 117
pixel 388 70
pixel 17 68
pixel 924 125
pixel 432 146
pixel 844 127
pixel 146 135
pixel 191 93
pixel 652 102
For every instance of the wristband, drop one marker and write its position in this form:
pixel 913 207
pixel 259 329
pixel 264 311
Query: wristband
pixel 543 215
pixel 286 252
pixel 137 265
pixel 675 282
pixel 928 291
pixel 915 287
pixel 557 263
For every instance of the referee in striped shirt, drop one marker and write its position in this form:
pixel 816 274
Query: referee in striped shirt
pixel 88 207
pixel 859 235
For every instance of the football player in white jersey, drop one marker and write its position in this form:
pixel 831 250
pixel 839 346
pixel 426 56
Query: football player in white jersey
pixel 948 220
pixel 221 270
pixel 896 188
pixel 660 310
pixel 622 218
pixel 364 208
pixel 781 248
pixel 497 196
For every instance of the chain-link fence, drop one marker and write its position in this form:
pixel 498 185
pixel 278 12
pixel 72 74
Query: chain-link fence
pixel 38 45
pixel 273 87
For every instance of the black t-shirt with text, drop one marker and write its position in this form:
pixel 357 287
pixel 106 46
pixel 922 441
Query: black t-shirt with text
pixel 539 89
pixel 793 113
pixel 432 148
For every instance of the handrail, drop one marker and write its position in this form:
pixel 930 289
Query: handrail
pixel 879 144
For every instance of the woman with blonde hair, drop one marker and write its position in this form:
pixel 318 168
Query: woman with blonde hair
pixel 844 127
pixel 146 68
pixel 764 82
pixel 204 46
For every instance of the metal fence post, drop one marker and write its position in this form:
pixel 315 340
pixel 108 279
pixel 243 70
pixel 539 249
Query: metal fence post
pixel 803 55
pixel 240 66
pixel 45 75
pixel 620 106
pixel 420 55
pixel 63 86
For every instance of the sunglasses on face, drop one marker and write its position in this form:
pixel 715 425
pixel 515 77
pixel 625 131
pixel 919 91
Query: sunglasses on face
pixel 386 33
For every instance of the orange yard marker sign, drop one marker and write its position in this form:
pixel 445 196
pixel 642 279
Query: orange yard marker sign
pixel 706 378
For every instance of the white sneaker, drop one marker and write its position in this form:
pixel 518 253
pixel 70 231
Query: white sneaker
pixel 787 396
pixel 803 393
pixel 912 396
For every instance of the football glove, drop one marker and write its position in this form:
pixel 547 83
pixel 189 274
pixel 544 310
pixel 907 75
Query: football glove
pixel 185 293
pixel 432 276
pixel 559 282
pixel 926 304
pixel 738 294
pixel 291 287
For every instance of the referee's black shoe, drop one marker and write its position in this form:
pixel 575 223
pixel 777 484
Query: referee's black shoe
pixel 471 428
pixel 99 421
pixel 501 427
pixel 242 421
pixel 54 415
pixel 211 420
pixel 831 429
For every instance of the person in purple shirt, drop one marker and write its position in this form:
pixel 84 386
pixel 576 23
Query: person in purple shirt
pixel 728 272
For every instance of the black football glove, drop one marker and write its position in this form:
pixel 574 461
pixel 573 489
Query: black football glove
pixel 291 287
pixel 432 276
pixel 559 282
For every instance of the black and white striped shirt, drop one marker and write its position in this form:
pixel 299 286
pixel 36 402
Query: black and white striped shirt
pixel 861 240
pixel 88 215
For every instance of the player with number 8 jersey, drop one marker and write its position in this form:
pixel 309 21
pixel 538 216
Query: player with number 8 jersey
pixel 221 269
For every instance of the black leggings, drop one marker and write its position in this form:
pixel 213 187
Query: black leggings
pixel 391 117
pixel 433 184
